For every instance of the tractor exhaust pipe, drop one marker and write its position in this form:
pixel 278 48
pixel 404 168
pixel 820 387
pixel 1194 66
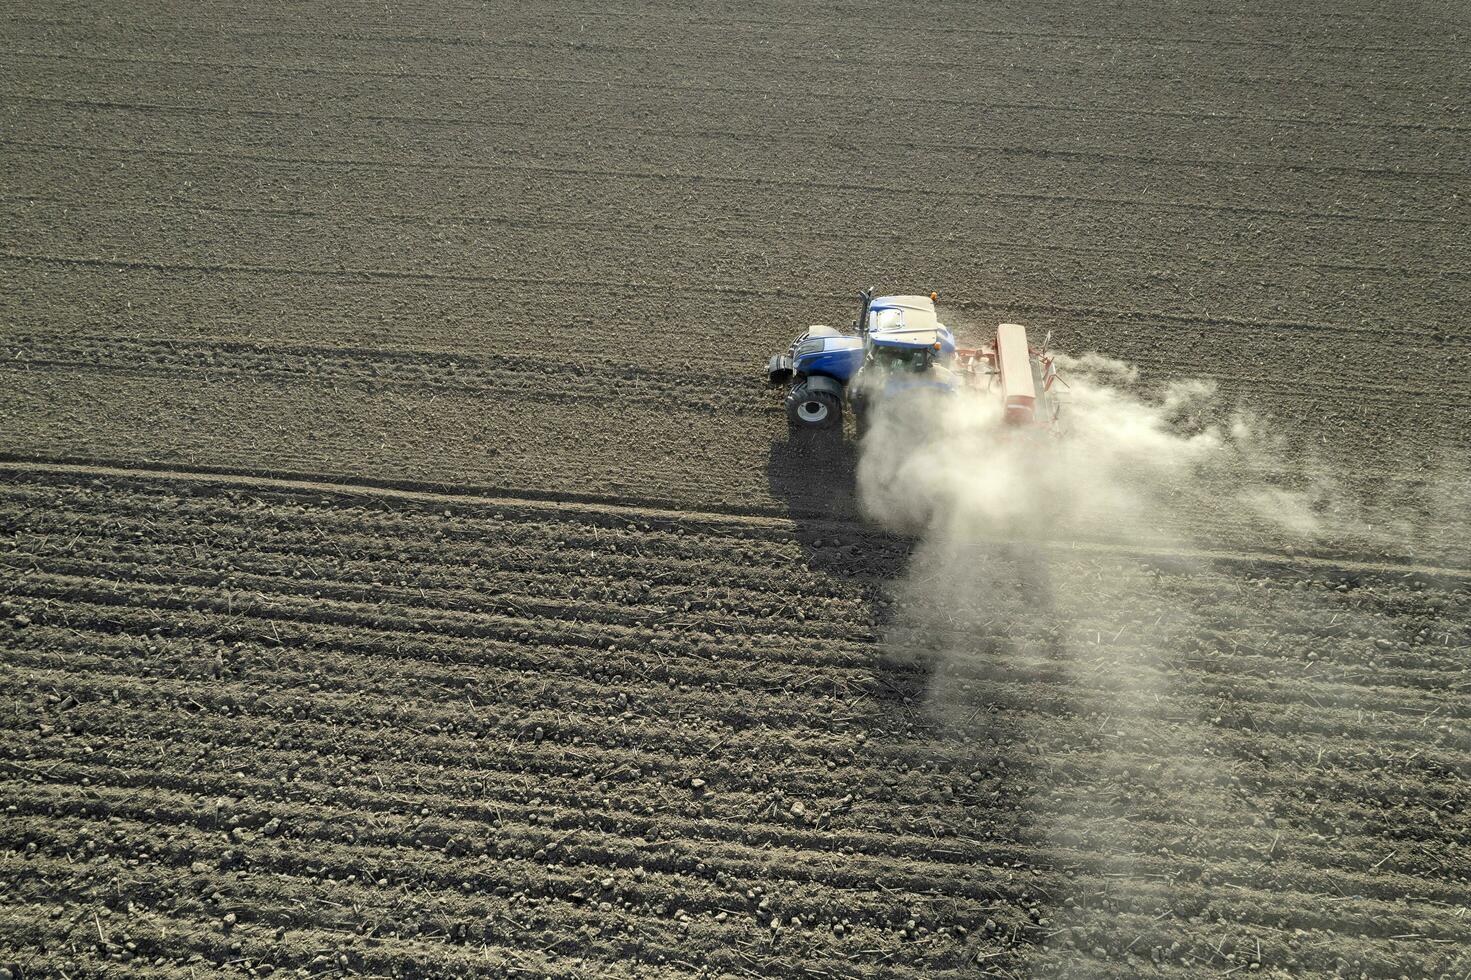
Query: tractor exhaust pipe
pixel 865 297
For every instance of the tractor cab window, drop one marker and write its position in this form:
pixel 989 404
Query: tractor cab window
pixel 903 359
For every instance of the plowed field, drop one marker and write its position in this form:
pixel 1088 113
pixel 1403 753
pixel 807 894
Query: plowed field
pixel 297 726
pixel 548 250
pixel 405 572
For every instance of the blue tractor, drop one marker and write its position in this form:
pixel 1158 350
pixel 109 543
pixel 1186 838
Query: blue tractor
pixel 898 337
pixel 899 344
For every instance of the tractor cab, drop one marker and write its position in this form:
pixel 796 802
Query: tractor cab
pixel 904 322
pixel 905 345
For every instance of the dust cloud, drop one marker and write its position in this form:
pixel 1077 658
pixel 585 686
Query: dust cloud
pixel 1122 465
pixel 1007 612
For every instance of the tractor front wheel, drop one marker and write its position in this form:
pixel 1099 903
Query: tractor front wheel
pixel 808 409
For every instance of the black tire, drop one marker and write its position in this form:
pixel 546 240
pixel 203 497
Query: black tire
pixel 813 410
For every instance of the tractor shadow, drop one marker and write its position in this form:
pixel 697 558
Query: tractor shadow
pixel 913 598
pixel 815 477
pixel 957 665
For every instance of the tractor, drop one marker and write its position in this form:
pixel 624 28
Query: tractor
pixel 899 346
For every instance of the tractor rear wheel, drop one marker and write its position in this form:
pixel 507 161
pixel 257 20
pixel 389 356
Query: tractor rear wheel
pixel 808 409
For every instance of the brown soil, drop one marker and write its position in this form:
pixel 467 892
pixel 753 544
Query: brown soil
pixel 524 267
pixel 550 251
pixel 438 734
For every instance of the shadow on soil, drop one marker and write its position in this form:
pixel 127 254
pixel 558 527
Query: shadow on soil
pixel 815 476
pixel 951 640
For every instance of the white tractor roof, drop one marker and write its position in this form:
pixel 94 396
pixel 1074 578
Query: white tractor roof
pixel 915 304
pixel 905 320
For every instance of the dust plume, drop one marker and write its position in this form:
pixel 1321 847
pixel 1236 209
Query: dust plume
pixel 1121 466
pixel 1089 644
